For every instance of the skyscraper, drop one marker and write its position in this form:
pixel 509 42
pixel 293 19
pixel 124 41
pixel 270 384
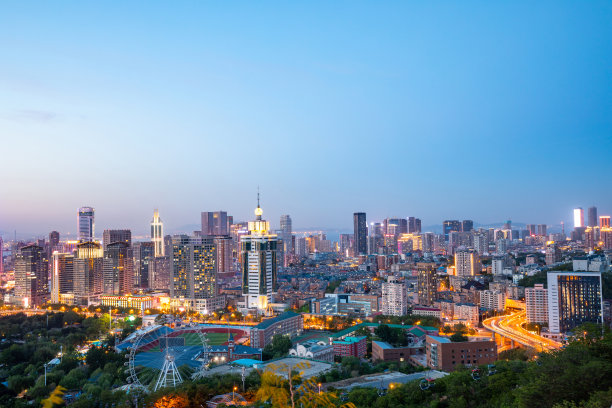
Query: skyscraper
pixel 214 223
pixel 86 224
pixel 258 252
pixel 574 298
pixel 450 225
pixel 286 236
pixel 194 270
pixel 467 225
pixel 578 217
pixel 31 276
pixel 427 283
pixel 604 222
pixel 88 271
pixel 54 239
pixel 117 269
pixel 143 252
pixel 467 262
pixel 112 236
pixel 542 230
pixel 360 233
pixel 531 228
pixel 394 297
pixel 157 234
pixel 62 275
pixel 592 216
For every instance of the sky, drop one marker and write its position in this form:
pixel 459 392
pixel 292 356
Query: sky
pixel 440 110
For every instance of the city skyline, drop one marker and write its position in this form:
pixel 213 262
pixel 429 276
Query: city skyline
pixel 484 112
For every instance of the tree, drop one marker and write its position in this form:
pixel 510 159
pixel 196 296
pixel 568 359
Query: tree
pixel 279 347
pixel 56 398
pixel 458 337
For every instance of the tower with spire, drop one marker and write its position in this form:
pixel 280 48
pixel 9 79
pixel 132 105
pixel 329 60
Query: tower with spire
pixel 258 253
pixel 157 234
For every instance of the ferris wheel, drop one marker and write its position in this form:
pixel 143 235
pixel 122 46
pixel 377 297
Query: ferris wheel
pixel 154 376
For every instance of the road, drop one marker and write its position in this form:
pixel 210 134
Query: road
pixel 509 326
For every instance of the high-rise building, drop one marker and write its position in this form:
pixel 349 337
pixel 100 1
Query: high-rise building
pixel 395 226
pixel 54 239
pixel 493 300
pixel 118 269
pixel 224 256
pixel 552 254
pixel 450 225
pixel 427 282
pixel 536 304
pixel 160 272
pixel 215 223
pixel 346 243
pixel 258 252
pixel 62 275
pixel 532 229
pixel 604 221
pixel 360 233
pixel 428 242
pixel 86 224
pixel 394 297
pixel 194 270
pixel 481 243
pixel 467 262
pixel 578 217
pixel 88 271
pixel 542 230
pixel 574 298
pixel 414 225
pixel 157 234
pixel 112 236
pixel 286 236
pixel 31 276
pixel 144 252
pixel 467 225
pixel 592 216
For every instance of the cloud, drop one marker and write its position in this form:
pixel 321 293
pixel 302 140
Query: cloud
pixel 30 116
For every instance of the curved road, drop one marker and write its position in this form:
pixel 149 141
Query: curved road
pixel 509 326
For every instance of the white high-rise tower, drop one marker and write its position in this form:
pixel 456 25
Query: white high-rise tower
pixel 258 252
pixel 157 234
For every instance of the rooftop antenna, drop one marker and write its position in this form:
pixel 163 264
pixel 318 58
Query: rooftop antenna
pixel 257 196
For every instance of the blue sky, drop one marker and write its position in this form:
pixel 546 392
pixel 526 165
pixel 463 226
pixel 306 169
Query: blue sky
pixel 480 110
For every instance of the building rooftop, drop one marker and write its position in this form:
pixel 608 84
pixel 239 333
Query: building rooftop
pixel 350 340
pixel 269 322
pixel 440 339
pixel 383 345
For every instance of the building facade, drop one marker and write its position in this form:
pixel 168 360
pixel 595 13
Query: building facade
pixel 86 225
pixel 574 298
pixel 394 297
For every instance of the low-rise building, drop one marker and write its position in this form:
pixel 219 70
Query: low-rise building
pixel 426 311
pixel 383 351
pixel 442 354
pixel 313 350
pixel 350 347
pixel 288 323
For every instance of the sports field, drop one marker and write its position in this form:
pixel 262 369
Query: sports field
pixel 192 339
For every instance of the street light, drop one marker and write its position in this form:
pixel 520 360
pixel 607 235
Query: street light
pixel 234 393
pixel 319 384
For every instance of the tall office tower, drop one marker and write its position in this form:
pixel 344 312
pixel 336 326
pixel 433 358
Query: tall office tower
pixel 531 228
pixel 113 236
pixel 552 255
pixel 224 256
pixel 215 223
pixel 31 276
pixel 414 225
pixel 86 224
pixel 395 226
pixel 417 225
pixel 88 271
pixel 578 217
pixel 118 269
pixel 467 225
pixel 54 239
pixel 450 225
pixel 360 233
pixel 481 243
pixel 542 230
pixel 62 275
pixel 604 221
pixel 258 251
pixel 286 236
pixel 427 282
pixel 394 297
pixel 536 304
pixel 345 244
pixel 301 247
pixel 592 217
pixel 194 270
pixel 508 225
pixel 501 246
pixel 467 262
pixel 574 298
pixel 428 242
pixel 157 234
pixel 144 252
